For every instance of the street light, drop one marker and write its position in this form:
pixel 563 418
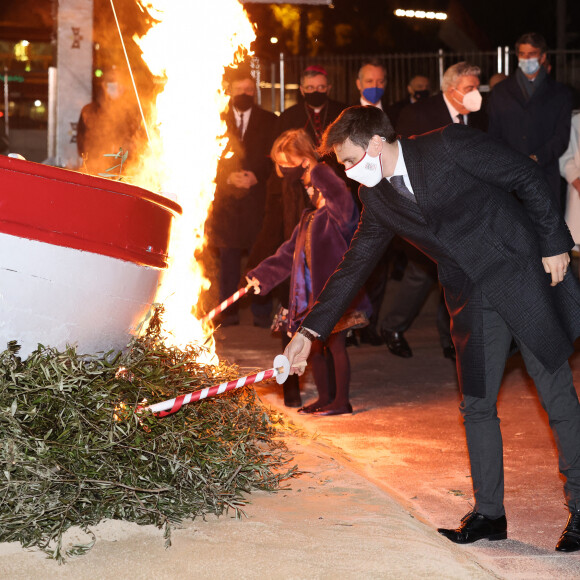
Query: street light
pixel 422 14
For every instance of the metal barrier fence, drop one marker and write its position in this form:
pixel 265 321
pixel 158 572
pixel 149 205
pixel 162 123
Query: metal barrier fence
pixel 278 81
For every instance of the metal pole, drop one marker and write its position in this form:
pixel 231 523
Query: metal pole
pixel 52 127
pixel 273 87
pixel 506 50
pixel 499 59
pixel 255 66
pixel 6 103
pixel 441 67
pixel 282 97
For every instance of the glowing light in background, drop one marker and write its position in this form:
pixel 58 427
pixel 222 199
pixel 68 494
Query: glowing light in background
pixel 189 48
pixel 420 14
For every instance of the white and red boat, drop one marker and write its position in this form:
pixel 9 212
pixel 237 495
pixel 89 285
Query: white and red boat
pixel 80 257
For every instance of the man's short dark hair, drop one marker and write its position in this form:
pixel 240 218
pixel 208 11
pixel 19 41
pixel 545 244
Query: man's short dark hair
pixel 359 124
pixel 372 62
pixel 236 74
pixel 533 38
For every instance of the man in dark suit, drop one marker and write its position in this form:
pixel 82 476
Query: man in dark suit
pixel 419 87
pixel 238 207
pixel 503 265
pixel 315 110
pixel 452 105
pixel 531 112
pixel 448 106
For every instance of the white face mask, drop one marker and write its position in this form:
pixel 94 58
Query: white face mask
pixel 367 171
pixel 529 66
pixel 471 100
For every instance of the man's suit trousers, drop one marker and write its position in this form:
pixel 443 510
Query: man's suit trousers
pixel 558 398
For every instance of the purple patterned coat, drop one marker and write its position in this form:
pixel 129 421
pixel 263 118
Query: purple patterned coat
pixel 331 230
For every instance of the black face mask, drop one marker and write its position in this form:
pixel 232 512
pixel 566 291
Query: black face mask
pixel 292 173
pixel 421 94
pixel 315 99
pixel 242 102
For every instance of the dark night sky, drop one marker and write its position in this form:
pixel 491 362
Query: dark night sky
pixel 374 27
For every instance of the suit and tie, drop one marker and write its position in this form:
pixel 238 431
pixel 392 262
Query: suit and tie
pixel 489 248
pixel 421 273
pixel 432 113
pixel 236 214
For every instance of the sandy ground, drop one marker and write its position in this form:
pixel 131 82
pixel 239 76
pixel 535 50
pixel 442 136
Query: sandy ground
pixel 329 523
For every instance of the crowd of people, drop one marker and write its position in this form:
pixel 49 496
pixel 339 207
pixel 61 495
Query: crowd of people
pixel 454 192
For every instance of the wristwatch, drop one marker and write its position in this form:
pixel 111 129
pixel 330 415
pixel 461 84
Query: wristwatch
pixel 304 332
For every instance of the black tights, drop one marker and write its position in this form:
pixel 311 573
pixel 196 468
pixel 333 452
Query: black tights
pixel 331 370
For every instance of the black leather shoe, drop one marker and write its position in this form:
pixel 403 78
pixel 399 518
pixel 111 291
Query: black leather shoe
pixel 328 411
pixel 475 526
pixel 449 352
pixel 397 344
pixel 570 539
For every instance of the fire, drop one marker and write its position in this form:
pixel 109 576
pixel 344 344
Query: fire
pixel 188 48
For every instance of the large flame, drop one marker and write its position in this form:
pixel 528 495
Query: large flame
pixel 188 48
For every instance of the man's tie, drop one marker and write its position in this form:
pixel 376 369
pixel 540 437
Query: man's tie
pixel 461 119
pixel 241 126
pixel 398 183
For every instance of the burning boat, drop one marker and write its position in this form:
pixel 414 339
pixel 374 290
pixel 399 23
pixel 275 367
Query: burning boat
pixel 81 257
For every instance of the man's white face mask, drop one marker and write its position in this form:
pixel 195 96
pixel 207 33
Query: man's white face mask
pixel 368 171
pixel 471 100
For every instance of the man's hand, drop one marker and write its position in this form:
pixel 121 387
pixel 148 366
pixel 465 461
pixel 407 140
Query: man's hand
pixel 242 179
pixel 557 267
pixel 297 353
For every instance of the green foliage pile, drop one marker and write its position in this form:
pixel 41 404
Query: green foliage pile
pixel 73 451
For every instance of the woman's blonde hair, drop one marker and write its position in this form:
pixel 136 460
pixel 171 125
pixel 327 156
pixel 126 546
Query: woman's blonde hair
pixel 293 143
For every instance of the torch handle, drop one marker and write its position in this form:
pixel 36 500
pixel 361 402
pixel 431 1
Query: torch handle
pixel 226 303
pixel 170 406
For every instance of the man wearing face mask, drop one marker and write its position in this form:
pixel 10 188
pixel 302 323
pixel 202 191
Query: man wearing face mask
pixel 459 102
pixel 531 112
pixel 238 208
pixel 503 261
pixel 419 87
pixel 371 83
pixel 110 122
pixel 314 110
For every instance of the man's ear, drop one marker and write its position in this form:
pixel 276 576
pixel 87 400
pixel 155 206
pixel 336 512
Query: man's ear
pixel 375 146
pixel 358 85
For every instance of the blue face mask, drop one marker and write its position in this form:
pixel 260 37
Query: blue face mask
pixel 373 94
pixel 529 66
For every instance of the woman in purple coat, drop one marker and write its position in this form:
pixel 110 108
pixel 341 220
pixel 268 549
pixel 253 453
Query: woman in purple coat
pixel 309 257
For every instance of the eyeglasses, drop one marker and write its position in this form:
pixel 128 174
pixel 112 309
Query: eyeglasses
pixel 312 88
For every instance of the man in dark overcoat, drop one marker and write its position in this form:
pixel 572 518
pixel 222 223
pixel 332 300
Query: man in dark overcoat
pixel 531 112
pixel 503 265
pixel 452 105
pixel 240 197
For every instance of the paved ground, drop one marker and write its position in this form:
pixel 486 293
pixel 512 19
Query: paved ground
pixel 406 437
